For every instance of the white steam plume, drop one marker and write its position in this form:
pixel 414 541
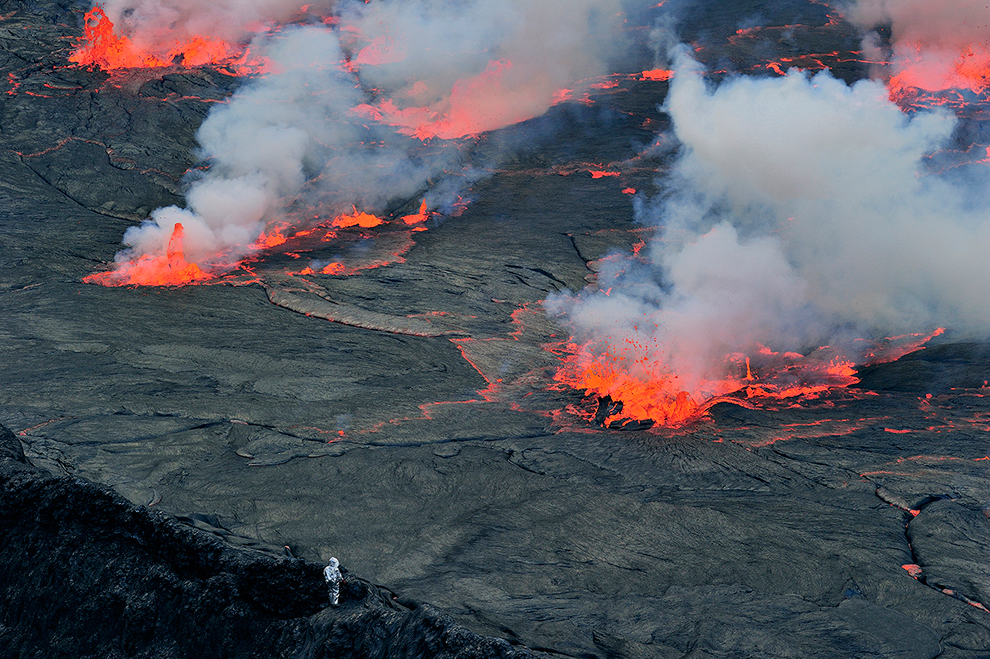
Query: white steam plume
pixel 943 43
pixel 478 65
pixel 799 213
pixel 930 23
pixel 158 24
pixel 313 131
pixel 288 134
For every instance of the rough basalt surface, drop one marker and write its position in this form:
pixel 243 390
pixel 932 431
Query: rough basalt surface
pixel 83 573
pixel 410 425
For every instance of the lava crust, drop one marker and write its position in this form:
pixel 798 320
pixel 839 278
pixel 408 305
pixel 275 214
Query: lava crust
pixel 169 444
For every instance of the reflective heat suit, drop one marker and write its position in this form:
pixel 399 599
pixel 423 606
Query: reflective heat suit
pixel 333 577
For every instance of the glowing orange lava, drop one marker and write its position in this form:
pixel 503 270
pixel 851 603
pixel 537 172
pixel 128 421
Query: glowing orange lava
pixel 356 219
pixel 170 269
pixel 269 239
pixel 921 74
pixel 648 389
pixel 101 47
pixel 971 70
pixel 420 216
pixel 657 75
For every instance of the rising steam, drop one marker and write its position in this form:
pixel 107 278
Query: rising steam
pixel 342 117
pixel 800 212
pixel 155 25
pixel 932 45
pixel 453 69
pixel 287 138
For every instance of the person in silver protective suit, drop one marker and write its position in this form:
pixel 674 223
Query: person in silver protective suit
pixel 333 577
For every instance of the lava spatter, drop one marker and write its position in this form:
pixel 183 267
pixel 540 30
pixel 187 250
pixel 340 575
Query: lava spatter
pixel 101 46
pixel 170 269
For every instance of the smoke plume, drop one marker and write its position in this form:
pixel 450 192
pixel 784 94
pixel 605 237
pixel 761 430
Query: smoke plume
pixel 286 140
pixel 933 45
pixel 800 212
pixel 453 69
pixel 155 25
pixel 347 114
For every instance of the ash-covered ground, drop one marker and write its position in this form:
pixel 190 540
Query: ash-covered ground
pixel 404 419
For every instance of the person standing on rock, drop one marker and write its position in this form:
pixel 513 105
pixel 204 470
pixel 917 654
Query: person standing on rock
pixel 333 577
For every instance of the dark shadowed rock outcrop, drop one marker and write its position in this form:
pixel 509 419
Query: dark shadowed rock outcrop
pixel 83 573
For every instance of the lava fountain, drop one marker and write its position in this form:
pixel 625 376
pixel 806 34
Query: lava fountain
pixel 101 46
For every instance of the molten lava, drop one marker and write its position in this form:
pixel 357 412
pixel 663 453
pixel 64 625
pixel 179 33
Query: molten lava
pixel 356 219
pixel 271 238
pixel 420 216
pixel 647 389
pixel 170 269
pixel 657 75
pixel 101 46
pixel 921 76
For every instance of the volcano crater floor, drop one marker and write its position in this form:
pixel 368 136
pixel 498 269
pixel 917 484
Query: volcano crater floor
pixel 405 419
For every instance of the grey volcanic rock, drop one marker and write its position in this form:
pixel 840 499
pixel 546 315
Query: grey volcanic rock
pixel 952 546
pixel 936 369
pixel 410 424
pixel 85 574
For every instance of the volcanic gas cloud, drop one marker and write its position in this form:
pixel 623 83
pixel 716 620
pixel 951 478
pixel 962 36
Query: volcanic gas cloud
pixel 802 214
pixel 933 45
pixel 338 123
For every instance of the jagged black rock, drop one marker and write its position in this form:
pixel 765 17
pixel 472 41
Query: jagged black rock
pixel 83 573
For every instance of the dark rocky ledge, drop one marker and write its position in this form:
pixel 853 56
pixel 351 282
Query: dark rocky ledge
pixel 83 573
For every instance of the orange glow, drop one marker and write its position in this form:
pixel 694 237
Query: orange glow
pixel 657 75
pixel 356 219
pixel 333 269
pixel 919 72
pixel 420 216
pixel 659 398
pixel 154 270
pixel 602 174
pixel 270 239
pixel 607 84
pixel 101 47
pixel 562 96
pixel 648 389
pixel 381 50
pixel 476 104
